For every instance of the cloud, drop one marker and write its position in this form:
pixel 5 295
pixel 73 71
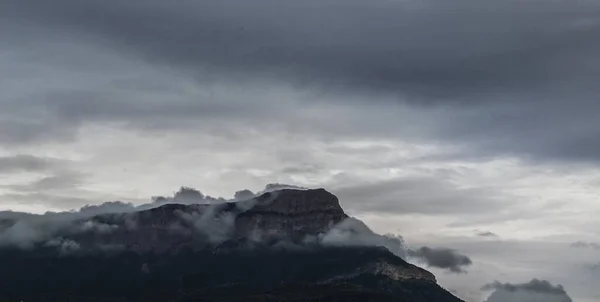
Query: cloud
pixel 27 231
pixel 431 195
pixel 65 246
pixel 486 234
pixel 97 227
pixel 186 195
pixel 436 55
pixel 277 186
pixel 216 225
pixel 508 89
pixel 532 291
pixel 243 195
pixel 353 232
pixel 441 258
pixel 586 245
pixel 26 163
pixel 271 187
pixel 54 182
pixel 49 183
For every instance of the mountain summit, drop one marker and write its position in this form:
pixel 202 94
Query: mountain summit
pixel 285 245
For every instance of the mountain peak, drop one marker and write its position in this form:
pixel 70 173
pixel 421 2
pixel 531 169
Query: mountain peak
pixel 290 214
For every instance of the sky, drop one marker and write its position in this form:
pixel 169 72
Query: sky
pixel 458 124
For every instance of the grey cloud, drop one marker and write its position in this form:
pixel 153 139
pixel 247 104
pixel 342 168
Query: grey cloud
pixel 586 245
pixel 58 200
pixel 243 195
pixel 279 186
pixel 55 191
pixel 27 163
pixel 54 182
pixel 65 246
pixel 422 195
pixel 521 88
pixel 107 207
pixel 353 232
pixel 28 133
pixel 217 227
pixel 59 184
pixel 443 258
pixel 422 48
pixel 532 291
pixel 61 189
pixel 96 227
pixel 29 230
pixel 486 234
pixel 301 169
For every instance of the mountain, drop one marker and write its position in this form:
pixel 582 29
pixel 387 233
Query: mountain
pixel 287 245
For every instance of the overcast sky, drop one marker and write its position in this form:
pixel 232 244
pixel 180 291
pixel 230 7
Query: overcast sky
pixel 466 124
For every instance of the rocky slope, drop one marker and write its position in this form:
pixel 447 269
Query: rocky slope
pixel 268 248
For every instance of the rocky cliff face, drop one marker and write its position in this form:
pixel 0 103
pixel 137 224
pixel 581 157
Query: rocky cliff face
pixel 292 212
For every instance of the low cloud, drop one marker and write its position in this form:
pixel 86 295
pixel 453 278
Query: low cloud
pixel 443 258
pixel 278 186
pixel 586 245
pixel 25 231
pixel 532 291
pixel 486 234
pixel 353 232
pixel 65 246
pixel 216 225
pixel 208 222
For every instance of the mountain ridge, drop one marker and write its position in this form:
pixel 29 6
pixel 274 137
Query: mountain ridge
pixel 295 239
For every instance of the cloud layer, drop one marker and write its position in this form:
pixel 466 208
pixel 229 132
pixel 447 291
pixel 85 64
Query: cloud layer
pixel 532 291
pixel 441 258
pixel 507 88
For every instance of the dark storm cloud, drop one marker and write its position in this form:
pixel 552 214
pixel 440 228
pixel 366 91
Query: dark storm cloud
pixel 534 290
pixel 441 258
pixel 512 77
pixel 419 47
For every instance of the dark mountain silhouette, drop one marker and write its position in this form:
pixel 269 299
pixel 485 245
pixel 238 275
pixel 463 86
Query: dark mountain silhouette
pixel 287 245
